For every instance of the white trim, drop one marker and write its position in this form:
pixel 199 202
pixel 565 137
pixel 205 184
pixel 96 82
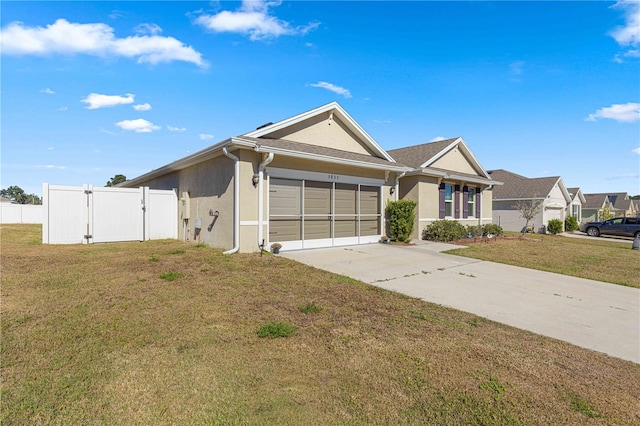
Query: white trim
pixel 249 223
pixel 467 152
pixel 333 108
pixel 322 177
pixel 433 219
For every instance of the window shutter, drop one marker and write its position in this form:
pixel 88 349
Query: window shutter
pixel 465 202
pixel 457 201
pixel 441 205
pixel 478 203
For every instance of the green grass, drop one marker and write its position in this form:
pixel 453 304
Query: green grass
pixel 613 262
pixel 310 308
pixel 92 335
pixel 171 276
pixel 276 329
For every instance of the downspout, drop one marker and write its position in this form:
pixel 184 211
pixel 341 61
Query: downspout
pixel 397 186
pixel 236 202
pixel 261 167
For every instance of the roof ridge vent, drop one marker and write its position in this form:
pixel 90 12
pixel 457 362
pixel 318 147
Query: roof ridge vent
pixel 264 125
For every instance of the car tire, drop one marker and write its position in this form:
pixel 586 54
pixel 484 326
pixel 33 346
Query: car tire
pixel 593 232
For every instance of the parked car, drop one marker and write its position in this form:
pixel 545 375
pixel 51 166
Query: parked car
pixel 620 226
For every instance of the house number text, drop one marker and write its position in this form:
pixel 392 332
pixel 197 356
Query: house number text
pixel 334 177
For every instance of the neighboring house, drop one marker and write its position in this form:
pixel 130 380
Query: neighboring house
pixel 313 180
pixel 617 204
pixel 5 200
pixel 574 208
pixel 446 182
pixel 594 207
pixel 550 191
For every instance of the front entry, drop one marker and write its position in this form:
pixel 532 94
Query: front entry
pixel 311 214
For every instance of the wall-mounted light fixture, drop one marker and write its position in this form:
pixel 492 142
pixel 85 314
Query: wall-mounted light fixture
pixel 255 179
pixel 392 190
pixel 214 214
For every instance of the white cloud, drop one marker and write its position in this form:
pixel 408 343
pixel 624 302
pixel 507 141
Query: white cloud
pixel 64 37
pixel 205 136
pixel 142 107
pixel 63 108
pixel 47 91
pixel 437 139
pixel 139 126
pixel 382 121
pixel 332 88
pixel 50 148
pixel 96 100
pixel 636 150
pixel 148 29
pixel 253 19
pixel 627 113
pixel 176 129
pixel 624 176
pixel 628 35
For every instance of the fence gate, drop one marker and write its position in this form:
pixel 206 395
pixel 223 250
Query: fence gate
pixel 89 214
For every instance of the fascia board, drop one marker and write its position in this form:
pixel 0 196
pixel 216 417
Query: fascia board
pixel 453 176
pixel 342 114
pixel 519 199
pixel 440 154
pixel 564 190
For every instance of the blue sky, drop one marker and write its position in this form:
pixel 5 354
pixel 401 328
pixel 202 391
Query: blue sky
pixel 95 89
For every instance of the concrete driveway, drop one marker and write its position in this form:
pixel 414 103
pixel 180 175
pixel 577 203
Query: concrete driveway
pixel 591 314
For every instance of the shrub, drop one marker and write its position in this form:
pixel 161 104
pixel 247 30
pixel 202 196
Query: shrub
pixel 170 276
pixel 492 228
pixel 571 224
pixel 401 219
pixel 554 226
pixel 276 329
pixel 474 230
pixel 444 230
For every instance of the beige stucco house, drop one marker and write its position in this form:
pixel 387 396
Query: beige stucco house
pixel 313 180
pixel 549 191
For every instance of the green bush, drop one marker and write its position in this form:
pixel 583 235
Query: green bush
pixel 571 224
pixel 444 230
pixel 401 219
pixel 310 308
pixel 474 230
pixel 276 329
pixel 492 228
pixel 554 226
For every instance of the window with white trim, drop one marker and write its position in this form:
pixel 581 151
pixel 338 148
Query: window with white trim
pixel 448 200
pixel 471 202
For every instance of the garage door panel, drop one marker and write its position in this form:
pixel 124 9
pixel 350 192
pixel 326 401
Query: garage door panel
pixel 317 228
pixel 369 200
pixel 284 196
pixel 317 198
pixel 345 227
pixel 345 198
pixel 285 230
pixel 369 226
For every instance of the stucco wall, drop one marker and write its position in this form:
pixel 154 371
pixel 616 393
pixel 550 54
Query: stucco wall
pixel 322 132
pixel 509 218
pixel 456 161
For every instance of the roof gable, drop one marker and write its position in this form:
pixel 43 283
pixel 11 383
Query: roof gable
pixel 449 154
pixel 520 187
pixel 329 126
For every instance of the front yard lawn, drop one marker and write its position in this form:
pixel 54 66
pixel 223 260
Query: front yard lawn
pixel 595 260
pixel 166 332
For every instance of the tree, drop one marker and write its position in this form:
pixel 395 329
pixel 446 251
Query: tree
pixel 528 210
pixel 116 180
pixel 17 195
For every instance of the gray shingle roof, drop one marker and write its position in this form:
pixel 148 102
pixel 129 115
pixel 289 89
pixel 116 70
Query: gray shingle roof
pixel 517 186
pixel 415 156
pixel 619 200
pixel 594 201
pixel 320 150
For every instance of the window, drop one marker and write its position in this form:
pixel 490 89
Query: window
pixel 471 201
pixel 575 211
pixel 448 201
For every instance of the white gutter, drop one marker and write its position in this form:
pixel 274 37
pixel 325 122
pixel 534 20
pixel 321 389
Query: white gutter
pixel 236 202
pixel 261 167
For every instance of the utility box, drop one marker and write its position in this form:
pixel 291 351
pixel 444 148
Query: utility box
pixel 185 201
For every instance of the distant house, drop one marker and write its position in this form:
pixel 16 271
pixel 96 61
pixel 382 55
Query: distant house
pixel 574 208
pixel 447 182
pixel 616 204
pixel 550 191
pixel 5 200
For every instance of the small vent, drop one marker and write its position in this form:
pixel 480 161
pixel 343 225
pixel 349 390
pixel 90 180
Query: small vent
pixel 264 125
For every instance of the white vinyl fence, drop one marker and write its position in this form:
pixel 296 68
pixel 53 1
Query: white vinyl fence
pixel 20 213
pixel 87 214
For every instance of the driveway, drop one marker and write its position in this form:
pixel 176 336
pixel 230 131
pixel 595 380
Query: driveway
pixel 591 314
